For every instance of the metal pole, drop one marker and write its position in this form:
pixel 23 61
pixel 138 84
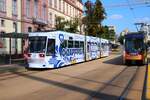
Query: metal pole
pixel 100 46
pixel 16 39
pixel 85 44
pixel 9 50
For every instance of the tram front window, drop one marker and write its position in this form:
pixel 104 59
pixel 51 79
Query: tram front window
pixel 134 45
pixel 37 44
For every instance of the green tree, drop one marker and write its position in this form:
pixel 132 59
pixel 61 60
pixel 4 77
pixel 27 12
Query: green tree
pixel 120 39
pixel 67 25
pixel 98 15
pixel 72 25
pixel 107 33
pixel 60 23
pixel 87 20
pixel 99 12
pixel 95 14
pixel 112 35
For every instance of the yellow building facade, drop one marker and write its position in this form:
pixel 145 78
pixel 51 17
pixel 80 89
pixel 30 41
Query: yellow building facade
pixel 10 21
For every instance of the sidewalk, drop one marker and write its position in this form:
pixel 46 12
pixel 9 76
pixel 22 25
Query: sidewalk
pixel 11 68
pixel 148 78
pixel 116 52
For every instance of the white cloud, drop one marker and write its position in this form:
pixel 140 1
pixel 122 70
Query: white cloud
pixel 116 16
pixel 143 20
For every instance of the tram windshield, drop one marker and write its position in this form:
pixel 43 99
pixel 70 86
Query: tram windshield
pixel 134 45
pixel 37 44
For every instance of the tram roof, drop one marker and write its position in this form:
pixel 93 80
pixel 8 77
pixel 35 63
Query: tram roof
pixel 135 35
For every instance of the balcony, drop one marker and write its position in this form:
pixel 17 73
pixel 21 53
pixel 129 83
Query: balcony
pixel 40 21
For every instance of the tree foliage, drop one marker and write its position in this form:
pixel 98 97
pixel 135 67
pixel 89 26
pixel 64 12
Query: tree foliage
pixel 95 14
pixel 67 25
pixel 120 39
pixel 99 12
pixel 60 23
pixel 107 33
pixel 72 25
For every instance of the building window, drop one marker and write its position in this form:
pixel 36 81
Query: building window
pixel 28 8
pixel 63 6
pixel 14 7
pixel 44 11
pixel 50 3
pixel 29 29
pixel 50 18
pixel 70 11
pixel 55 20
pixel 36 8
pixel 2 23
pixel 73 12
pixel 67 8
pixel 14 25
pixel 55 4
pixel 2 5
pixel 60 2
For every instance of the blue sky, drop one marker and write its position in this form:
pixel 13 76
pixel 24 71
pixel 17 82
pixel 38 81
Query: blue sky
pixel 125 17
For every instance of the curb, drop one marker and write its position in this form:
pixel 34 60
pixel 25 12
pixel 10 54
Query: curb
pixel 11 68
pixel 148 84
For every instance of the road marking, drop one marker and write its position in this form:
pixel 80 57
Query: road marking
pixel 148 84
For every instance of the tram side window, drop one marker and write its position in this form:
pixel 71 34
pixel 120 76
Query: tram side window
pixel 70 44
pixel 96 46
pixel 81 44
pixel 88 46
pixel 50 47
pixel 103 45
pixel 76 44
pixel 64 44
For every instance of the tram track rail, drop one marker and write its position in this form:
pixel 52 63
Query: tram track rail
pixel 11 74
pixel 110 81
pixel 117 78
pixel 129 85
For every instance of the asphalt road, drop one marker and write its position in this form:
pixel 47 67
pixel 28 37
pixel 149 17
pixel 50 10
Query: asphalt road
pixel 102 79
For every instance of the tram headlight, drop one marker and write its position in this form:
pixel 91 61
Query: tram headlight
pixel 42 55
pixel 29 55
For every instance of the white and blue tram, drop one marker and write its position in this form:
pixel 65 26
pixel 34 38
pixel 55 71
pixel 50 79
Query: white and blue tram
pixel 92 51
pixel 57 48
pixel 104 47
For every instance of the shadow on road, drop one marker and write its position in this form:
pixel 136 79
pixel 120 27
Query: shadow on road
pixel 115 61
pixel 90 93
